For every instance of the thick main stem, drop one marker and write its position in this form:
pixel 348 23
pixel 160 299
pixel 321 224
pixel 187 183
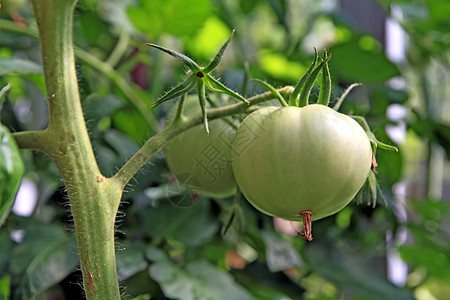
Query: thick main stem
pixel 94 200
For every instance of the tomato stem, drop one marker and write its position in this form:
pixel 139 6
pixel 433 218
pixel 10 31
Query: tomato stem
pixel 307 230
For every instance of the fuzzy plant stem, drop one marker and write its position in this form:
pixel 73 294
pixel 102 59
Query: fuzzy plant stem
pixel 94 199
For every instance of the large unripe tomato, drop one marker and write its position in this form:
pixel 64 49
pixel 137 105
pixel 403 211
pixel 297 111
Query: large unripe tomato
pixel 202 162
pixel 289 160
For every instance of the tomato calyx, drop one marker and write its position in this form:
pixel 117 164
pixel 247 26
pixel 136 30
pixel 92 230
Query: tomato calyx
pixel 307 230
pixel 199 77
pixel 302 90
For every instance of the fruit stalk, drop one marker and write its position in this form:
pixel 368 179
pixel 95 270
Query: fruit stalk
pixel 307 230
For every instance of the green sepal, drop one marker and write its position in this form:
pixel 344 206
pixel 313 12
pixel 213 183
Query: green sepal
pixel 306 90
pixel 293 99
pixel 192 65
pixel 179 90
pixel 202 100
pixel 216 86
pixel 379 144
pixel 213 64
pixel 273 90
pixel 374 189
pixel 325 88
pixel 373 140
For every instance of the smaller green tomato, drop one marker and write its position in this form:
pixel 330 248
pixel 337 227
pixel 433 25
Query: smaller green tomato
pixel 202 162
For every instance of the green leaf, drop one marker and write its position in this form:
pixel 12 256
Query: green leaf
pixel 279 67
pixel 215 62
pixel 131 260
pixel 45 257
pixel 197 281
pixel 5 287
pixel 19 66
pixel 210 37
pixel 191 226
pixel 5 248
pixel 177 17
pixel 355 64
pixel 352 273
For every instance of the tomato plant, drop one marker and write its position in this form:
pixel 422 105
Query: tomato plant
pixel 202 162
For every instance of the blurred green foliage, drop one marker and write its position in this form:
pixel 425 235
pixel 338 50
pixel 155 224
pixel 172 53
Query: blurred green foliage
pixel 165 251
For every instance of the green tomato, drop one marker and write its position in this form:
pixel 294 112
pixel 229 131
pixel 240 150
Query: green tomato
pixel 289 160
pixel 202 162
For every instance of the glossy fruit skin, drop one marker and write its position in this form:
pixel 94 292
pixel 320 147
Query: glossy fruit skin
pixel 290 159
pixel 202 162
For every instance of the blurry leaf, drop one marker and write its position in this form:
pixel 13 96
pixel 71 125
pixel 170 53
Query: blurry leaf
pixel 389 167
pixel 115 12
pixel 209 39
pixel 198 280
pixel 352 273
pixel 5 249
pixel 280 255
pixel 96 107
pixel 131 260
pixel 429 257
pixel 5 287
pixel 429 209
pixel 435 131
pixel 266 285
pixel 352 63
pixel 131 123
pixel 45 257
pixel 11 171
pixel 382 96
pixel 18 66
pixel 100 37
pixel 431 248
pixel 39 81
pixel 279 67
pixel 121 143
pixel 247 6
pixel 177 17
pixel 192 225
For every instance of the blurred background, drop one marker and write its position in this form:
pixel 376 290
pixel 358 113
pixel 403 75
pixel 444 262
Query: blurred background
pixel 399 50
